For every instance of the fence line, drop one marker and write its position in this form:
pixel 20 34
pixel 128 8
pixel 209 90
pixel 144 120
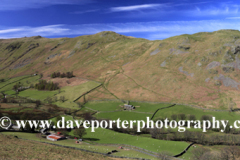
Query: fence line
pixel 116 100
pixel 160 109
pixel 105 154
pixel 15 81
pixel 87 93
pixel 185 150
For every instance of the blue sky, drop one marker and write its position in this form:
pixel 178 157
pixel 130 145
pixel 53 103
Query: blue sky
pixel 150 19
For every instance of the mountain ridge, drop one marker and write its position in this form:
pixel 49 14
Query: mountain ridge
pixel 200 69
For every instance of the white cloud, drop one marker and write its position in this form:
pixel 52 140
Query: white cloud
pixel 214 11
pixel 193 10
pixel 233 18
pixel 51 30
pixel 149 30
pixel 10 30
pixel 134 7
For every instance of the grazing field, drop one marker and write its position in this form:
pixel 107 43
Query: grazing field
pixel 115 105
pixel 105 136
pixel 26 81
pixel 36 94
pixel 15 148
pixel 67 117
pixel 43 111
pixel 110 137
pixel 73 92
pixel 178 109
pixel 150 108
pixel 84 145
pixel 67 104
pixel 12 80
pixel 10 92
pixel 124 115
pixel 104 106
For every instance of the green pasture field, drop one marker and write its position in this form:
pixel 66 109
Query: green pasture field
pixel 86 146
pixel 12 80
pixel 114 105
pixel 149 108
pixel 71 93
pixel 104 106
pixel 67 117
pixel 67 104
pixel 27 81
pixel 178 109
pixel 124 115
pixel 36 94
pixel 110 137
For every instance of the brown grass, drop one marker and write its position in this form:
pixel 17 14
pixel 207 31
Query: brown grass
pixel 104 62
pixel 13 148
pixel 67 81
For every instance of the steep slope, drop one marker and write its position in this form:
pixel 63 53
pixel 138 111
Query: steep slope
pixel 200 69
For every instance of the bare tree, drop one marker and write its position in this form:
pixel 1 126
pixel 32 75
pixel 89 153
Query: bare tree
pixel 87 116
pixel 49 100
pixel 155 132
pixel 38 103
pixel 192 117
pixel 164 155
pixel 231 152
pixel 231 104
pixel 188 135
pixel 55 98
pixel 210 156
pixel 200 137
pixel 62 98
pixel 174 117
pixel 80 132
pixel 198 153
pixel 181 116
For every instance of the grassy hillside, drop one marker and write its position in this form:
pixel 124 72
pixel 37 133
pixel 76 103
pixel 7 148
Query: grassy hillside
pixel 14 148
pixel 200 69
pixel 112 110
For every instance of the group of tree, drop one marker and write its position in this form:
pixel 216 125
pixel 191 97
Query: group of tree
pixel 17 87
pixel 62 75
pixel 194 136
pixel 78 132
pixel 226 153
pixel 44 85
pixel 182 116
pixel 55 99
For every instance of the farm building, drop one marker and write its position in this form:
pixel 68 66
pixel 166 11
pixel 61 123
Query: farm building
pixel 55 137
pixel 128 107
pixel 14 127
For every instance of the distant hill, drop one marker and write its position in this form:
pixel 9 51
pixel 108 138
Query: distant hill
pixel 200 69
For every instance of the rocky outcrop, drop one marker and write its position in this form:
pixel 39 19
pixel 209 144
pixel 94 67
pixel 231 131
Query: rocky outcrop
pixel 227 82
pixel 154 52
pixel 185 72
pixel 163 64
pixel 177 51
pixel 213 65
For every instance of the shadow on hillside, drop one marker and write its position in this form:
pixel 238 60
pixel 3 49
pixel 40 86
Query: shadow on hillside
pixel 92 139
